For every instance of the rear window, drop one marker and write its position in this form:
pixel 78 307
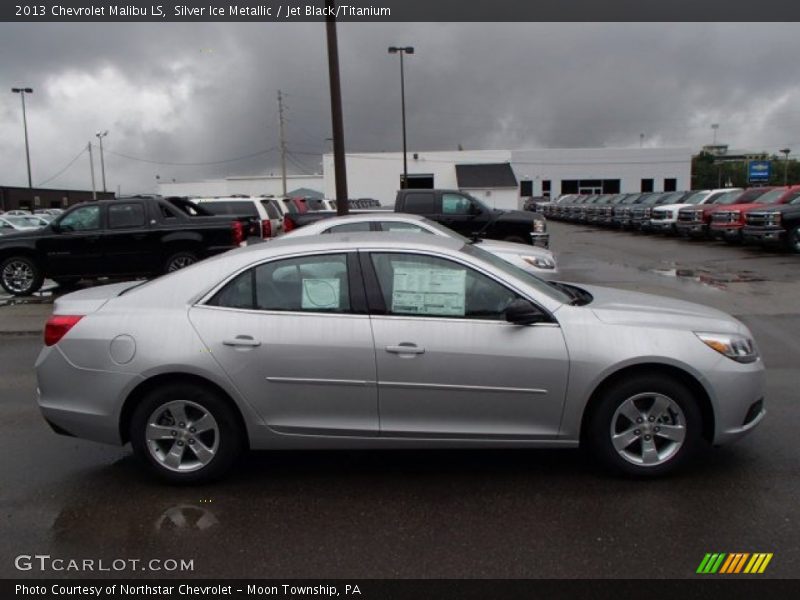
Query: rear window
pixel 242 208
pixel 272 212
pixel 419 204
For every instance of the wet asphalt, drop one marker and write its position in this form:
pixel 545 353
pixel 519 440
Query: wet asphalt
pixel 443 514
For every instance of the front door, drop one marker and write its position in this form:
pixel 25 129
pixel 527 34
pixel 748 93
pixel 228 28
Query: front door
pixel 461 214
pixel 294 338
pixel 449 365
pixel 75 245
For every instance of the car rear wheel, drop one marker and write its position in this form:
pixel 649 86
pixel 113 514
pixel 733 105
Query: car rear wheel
pixel 21 275
pixel 644 426
pixel 186 433
pixel 179 260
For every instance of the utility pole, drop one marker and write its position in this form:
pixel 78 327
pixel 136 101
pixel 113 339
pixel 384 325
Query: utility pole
pixel 22 92
pixel 100 135
pixel 786 151
pixel 91 168
pixel 340 167
pixel 283 141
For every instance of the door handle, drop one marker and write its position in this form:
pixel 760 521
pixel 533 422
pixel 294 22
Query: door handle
pixel 242 340
pixel 405 348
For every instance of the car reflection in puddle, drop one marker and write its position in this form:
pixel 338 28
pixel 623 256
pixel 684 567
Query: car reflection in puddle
pixel 185 517
pixel 716 279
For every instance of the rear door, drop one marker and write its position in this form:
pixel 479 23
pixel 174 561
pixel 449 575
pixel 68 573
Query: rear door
pixel 294 337
pixel 130 243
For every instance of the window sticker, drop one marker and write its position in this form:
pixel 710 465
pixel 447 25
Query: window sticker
pixel 320 294
pixel 428 290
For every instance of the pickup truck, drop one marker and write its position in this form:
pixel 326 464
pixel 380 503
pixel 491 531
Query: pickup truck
pixel 470 217
pixel 129 237
pixel 775 225
pixel 458 211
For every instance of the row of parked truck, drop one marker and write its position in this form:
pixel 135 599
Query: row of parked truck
pixel 765 215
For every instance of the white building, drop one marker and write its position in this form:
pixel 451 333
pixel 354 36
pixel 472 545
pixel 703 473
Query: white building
pixel 539 172
pixel 498 177
pixel 256 185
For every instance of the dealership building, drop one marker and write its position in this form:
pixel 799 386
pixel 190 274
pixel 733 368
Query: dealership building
pixel 501 178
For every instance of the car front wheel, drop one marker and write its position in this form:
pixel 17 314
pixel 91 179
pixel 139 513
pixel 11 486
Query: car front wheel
pixel 21 275
pixel 793 240
pixel 644 426
pixel 186 433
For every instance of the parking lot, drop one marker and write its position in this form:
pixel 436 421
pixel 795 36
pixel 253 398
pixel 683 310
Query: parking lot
pixel 444 514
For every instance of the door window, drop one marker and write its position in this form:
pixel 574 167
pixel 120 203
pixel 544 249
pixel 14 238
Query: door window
pixel 349 227
pixel 427 286
pixel 122 216
pixel 403 227
pixel 455 204
pixel 85 218
pixel 419 203
pixel 305 284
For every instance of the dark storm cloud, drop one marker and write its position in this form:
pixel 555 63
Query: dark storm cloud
pixel 187 93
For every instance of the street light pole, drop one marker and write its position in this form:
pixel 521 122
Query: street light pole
pixel 22 92
pixel 786 152
pixel 91 169
pixel 401 50
pixel 100 135
pixel 714 127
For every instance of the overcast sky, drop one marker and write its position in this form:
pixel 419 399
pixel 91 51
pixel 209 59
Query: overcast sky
pixel 203 93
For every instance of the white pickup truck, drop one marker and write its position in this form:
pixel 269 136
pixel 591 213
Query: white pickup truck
pixel 664 218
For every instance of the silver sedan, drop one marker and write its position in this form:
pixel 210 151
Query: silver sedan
pixel 390 341
pixel 538 261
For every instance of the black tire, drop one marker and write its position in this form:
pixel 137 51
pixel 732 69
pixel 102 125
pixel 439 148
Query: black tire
pixel 179 260
pixel 793 240
pixel 517 239
pixel 227 440
pixel 21 275
pixel 597 438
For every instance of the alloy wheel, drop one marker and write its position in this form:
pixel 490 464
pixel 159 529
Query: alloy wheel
pixel 648 429
pixel 180 262
pixel 18 276
pixel 182 436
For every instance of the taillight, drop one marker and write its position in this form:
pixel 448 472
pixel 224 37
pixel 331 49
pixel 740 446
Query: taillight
pixel 238 233
pixel 266 229
pixel 57 327
pixel 288 224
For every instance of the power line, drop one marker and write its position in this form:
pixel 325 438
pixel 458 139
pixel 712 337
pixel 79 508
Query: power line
pixel 69 164
pixel 192 164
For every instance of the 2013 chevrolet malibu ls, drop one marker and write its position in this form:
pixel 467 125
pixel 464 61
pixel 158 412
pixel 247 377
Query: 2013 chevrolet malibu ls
pixel 383 340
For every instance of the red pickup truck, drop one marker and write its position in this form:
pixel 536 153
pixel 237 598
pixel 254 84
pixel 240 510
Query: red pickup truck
pixel 727 222
pixel 695 221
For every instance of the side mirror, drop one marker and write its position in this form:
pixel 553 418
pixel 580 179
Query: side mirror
pixel 523 312
pixel 474 209
pixel 55 227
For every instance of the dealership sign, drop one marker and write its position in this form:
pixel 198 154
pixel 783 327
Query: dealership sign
pixel 758 170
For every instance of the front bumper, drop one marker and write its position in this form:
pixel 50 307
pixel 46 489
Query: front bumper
pixel 726 232
pixel 763 236
pixel 692 229
pixel 540 239
pixel 663 226
pixel 738 400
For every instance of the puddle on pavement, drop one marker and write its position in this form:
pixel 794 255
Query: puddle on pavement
pixel 709 277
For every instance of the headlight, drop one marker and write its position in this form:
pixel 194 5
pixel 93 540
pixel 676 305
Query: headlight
pixel 539 226
pixel 540 262
pixel 733 345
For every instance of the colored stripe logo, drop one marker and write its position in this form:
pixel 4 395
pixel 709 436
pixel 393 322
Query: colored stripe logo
pixel 734 563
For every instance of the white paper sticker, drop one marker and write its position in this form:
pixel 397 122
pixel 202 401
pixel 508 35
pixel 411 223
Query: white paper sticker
pixel 428 290
pixel 320 294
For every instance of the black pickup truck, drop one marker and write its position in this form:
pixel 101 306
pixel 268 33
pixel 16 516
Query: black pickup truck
pixel 460 212
pixel 777 224
pixel 130 237
pixel 470 217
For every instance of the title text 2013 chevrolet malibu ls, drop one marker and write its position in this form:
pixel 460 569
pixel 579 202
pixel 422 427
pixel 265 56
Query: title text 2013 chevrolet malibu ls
pixel 381 340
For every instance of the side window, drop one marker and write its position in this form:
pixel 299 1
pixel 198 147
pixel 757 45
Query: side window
pixel 121 216
pixel 85 218
pixel 349 227
pixel 272 212
pixel 305 284
pixel 402 227
pixel 421 203
pixel 455 204
pixel 427 286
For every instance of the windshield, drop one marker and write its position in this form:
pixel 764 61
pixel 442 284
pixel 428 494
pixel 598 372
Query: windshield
pixel 729 197
pixel 796 199
pixel 539 284
pixel 695 198
pixel 770 197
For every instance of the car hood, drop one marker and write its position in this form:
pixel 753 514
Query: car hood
pixel 742 207
pixel 671 206
pixel 498 247
pixel 620 307
pixel 20 234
